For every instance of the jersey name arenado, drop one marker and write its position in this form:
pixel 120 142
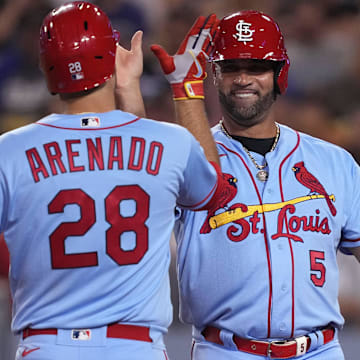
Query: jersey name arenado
pixel 87 208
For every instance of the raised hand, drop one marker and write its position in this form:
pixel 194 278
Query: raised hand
pixel 129 63
pixel 185 70
pixel 128 71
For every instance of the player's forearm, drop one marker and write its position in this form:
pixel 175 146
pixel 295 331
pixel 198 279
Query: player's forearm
pixel 191 114
pixel 129 99
pixel 185 72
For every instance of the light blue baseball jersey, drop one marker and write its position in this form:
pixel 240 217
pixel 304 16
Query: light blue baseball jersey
pixel 264 266
pixel 87 209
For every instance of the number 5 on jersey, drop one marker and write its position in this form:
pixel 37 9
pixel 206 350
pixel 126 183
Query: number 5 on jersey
pixel 317 267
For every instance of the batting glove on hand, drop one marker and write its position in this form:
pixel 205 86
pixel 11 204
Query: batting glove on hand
pixel 185 71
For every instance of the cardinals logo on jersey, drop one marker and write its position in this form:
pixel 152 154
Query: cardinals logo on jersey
pixel 228 194
pixel 247 218
pixel 312 183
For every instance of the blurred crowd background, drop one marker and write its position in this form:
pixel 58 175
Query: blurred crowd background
pixel 323 42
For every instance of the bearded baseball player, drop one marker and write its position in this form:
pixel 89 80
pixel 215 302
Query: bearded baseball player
pixel 88 196
pixel 258 275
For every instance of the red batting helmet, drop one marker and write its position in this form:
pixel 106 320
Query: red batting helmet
pixel 77 47
pixel 251 34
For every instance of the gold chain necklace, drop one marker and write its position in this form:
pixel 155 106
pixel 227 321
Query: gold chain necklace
pixel 262 174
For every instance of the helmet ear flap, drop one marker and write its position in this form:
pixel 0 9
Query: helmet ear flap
pixel 281 76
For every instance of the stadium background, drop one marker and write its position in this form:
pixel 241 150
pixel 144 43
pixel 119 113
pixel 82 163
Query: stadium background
pixel 323 42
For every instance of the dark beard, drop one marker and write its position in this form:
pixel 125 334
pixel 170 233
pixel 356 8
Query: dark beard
pixel 247 115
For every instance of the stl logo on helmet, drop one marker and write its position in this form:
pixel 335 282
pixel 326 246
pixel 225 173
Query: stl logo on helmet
pixel 244 33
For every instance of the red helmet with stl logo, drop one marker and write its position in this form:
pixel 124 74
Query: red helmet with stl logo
pixel 77 48
pixel 251 34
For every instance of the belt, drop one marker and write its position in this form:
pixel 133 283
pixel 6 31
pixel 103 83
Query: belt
pixel 118 331
pixel 274 349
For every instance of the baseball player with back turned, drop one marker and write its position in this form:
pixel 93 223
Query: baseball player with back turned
pixel 258 275
pixel 87 200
